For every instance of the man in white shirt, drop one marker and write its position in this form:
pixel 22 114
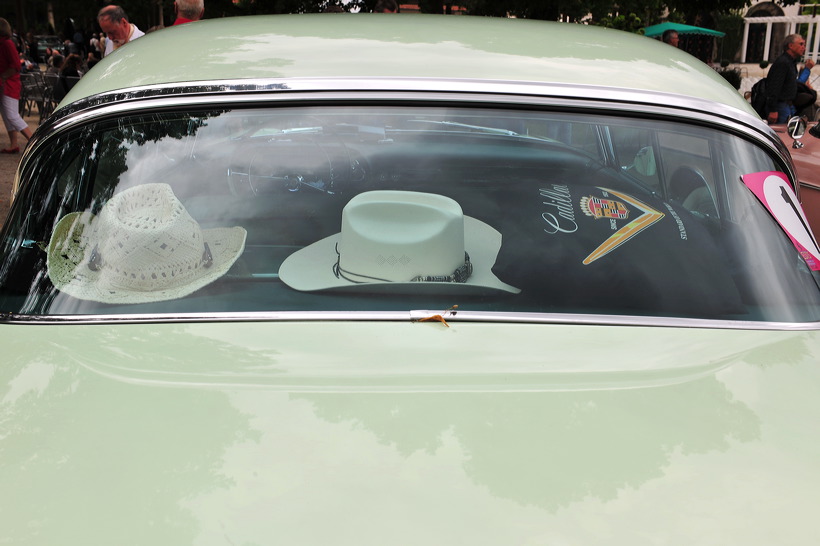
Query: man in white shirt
pixel 94 44
pixel 114 22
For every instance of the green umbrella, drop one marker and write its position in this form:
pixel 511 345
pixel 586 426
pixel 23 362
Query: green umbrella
pixel 657 30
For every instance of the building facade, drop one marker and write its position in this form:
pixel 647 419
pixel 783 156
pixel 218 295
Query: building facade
pixel 767 23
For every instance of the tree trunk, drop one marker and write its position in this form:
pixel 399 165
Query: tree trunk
pixel 50 12
pixel 22 27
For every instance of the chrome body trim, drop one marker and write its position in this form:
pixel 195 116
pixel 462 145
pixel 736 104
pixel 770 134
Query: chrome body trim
pixel 256 92
pixel 414 316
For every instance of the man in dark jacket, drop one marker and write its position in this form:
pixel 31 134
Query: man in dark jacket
pixel 781 82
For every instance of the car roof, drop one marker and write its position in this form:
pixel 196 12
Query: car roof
pixel 405 46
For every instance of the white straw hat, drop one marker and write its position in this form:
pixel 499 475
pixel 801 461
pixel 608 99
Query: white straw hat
pixel 142 247
pixel 400 239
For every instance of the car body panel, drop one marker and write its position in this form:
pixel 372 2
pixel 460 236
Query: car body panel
pixel 807 162
pixel 397 427
pixel 212 433
pixel 810 199
pixel 307 46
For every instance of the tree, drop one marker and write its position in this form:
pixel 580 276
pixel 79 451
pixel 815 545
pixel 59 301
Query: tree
pixel 715 6
pixel 626 14
pixel 490 8
pixel 591 11
pixel 436 6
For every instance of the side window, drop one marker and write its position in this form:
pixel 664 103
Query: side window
pixel 70 176
pixel 580 136
pixel 688 173
pixel 69 168
pixel 678 166
pixel 635 153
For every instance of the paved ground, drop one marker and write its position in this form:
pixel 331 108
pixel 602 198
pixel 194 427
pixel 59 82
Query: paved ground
pixel 8 165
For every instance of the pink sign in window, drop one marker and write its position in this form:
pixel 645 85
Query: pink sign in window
pixel 775 192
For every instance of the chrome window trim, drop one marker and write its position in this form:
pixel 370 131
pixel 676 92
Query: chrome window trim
pixel 248 93
pixel 412 85
pixel 414 316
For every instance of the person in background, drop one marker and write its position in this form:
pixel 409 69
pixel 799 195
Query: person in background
pixel 118 30
pixel 781 81
pixel 33 48
pixel 27 66
pixel 670 37
pixel 72 66
pixel 10 88
pixel 69 76
pixel 89 62
pixel 78 43
pixel 188 11
pixel 94 45
pixel 55 64
pixel 19 42
pixel 386 6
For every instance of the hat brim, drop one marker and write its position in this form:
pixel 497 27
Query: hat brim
pixel 68 255
pixel 311 268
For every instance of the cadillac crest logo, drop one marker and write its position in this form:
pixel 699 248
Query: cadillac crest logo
pixel 615 210
pixel 603 208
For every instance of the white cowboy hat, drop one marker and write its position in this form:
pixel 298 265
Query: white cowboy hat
pixel 400 240
pixel 142 247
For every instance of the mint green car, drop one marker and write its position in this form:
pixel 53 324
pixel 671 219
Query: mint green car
pixel 401 280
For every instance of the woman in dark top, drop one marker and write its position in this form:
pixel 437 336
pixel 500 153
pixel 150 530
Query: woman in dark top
pixel 69 75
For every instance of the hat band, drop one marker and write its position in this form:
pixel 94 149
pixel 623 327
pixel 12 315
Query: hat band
pixel 95 262
pixel 460 275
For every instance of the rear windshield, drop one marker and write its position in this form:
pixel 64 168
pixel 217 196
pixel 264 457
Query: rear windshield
pixel 398 208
